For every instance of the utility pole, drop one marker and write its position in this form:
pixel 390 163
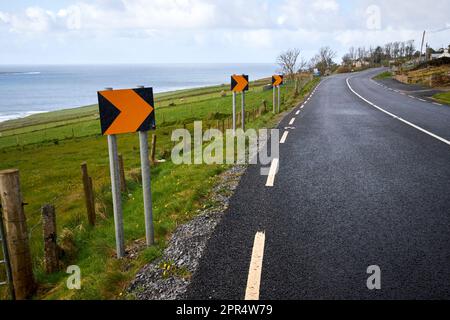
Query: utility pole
pixel 421 47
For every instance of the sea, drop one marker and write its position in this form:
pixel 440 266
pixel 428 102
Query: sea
pixel 26 90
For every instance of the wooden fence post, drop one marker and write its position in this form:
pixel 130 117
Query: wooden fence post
pixel 88 194
pixel 51 259
pixel 16 234
pixel 153 150
pixel 123 181
pixel 91 186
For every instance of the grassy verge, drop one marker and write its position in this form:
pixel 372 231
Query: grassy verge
pixel 443 97
pixel 49 157
pixel 384 75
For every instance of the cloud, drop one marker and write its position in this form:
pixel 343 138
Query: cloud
pixel 116 15
pixel 261 28
pixel 311 15
pixel 325 5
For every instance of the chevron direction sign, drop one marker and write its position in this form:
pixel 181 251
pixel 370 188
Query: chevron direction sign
pixel 277 80
pixel 126 111
pixel 239 83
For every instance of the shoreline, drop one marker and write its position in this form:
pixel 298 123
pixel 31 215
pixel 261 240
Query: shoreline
pixel 27 114
pixel 159 95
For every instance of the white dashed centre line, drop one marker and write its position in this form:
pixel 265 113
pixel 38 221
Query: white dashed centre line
pixel 422 100
pixel 284 137
pixel 292 121
pixel 256 263
pixel 272 173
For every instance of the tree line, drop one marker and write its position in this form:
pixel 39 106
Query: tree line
pixel 291 62
pixel 376 55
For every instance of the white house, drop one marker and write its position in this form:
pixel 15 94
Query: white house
pixel 440 55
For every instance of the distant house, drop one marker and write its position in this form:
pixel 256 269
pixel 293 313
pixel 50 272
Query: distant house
pixel 360 63
pixel 442 54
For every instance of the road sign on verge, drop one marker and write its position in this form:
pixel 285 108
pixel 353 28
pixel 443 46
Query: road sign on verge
pixel 126 111
pixel 277 80
pixel 239 83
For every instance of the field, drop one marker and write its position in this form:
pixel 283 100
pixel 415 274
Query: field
pixel 384 75
pixel 443 97
pixel 49 148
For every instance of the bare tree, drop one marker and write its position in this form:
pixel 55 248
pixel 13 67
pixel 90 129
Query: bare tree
pixel 347 59
pixel 396 49
pixel 302 64
pixel 324 59
pixel 388 50
pixel 352 53
pixel 410 48
pixel 288 62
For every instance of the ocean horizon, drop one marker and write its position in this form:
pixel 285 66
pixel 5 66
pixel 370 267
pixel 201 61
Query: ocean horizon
pixel 31 89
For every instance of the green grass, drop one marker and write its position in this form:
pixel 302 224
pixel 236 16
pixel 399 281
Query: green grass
pixel 384 75
pixel 443 97
pixel 49 157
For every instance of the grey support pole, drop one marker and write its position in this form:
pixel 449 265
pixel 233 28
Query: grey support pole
pixel 279 99
pixel 146 186
pixel 234 113
pixel 243 110
pixel 274 100
pixel 116 196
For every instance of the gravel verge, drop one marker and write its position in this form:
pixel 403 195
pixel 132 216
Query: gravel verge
pixel 168 277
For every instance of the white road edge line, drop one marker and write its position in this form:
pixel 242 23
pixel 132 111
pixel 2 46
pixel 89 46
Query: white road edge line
pixel 284 137
pixel 272 173
pixel 438 104
pixel 292 121
pixel 255 270
pixel 396 117
pixel 423 100
pixel 297 113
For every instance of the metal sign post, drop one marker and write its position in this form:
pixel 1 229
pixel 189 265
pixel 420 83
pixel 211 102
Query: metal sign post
pixel 116 196
pixel 234 112
pixel 274 100
pixel 128 111
pixel 243 110
pixel 146 186
pixel 279 99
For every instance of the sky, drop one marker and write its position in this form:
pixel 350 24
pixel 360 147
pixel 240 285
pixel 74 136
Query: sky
pixel 209 31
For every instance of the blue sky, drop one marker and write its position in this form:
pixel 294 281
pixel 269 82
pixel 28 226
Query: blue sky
pixel 166 31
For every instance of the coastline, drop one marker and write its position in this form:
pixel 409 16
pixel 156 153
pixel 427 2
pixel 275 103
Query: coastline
pixel 29 115
pixel 32 89
pixel 5 117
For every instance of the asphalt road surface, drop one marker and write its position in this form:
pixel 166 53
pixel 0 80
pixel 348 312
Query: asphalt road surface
pixel 356 187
